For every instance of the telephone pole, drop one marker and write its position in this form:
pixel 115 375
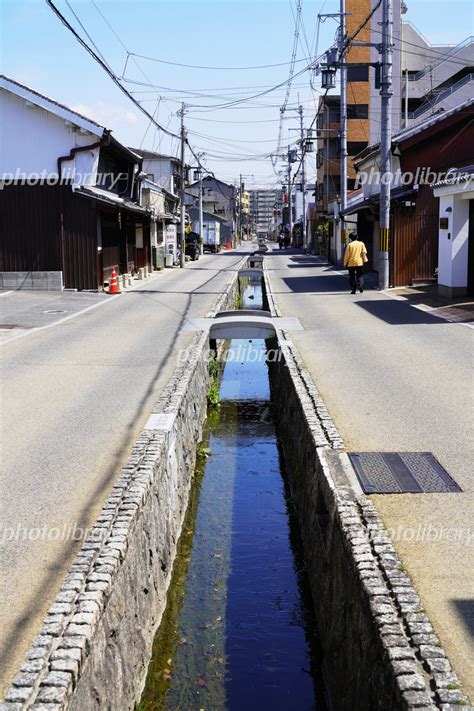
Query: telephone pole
pixel 385 142
pixel 343 136
pixel 240 207
pixel 182 257
pixel 303 177
pixel 290 199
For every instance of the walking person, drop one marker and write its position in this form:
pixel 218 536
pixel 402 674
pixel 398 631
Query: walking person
pixel 355 257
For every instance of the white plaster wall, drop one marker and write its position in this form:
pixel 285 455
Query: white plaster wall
pixel 162 171
pixel 453 242
pixel 32 139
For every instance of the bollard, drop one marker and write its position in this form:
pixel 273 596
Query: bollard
pixel 129 277
pixel 124 280
pixel 145 271
pixel 140 273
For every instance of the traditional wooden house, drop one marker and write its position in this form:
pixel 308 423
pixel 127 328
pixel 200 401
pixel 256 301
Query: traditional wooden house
pixel 70 197
pixel 422 155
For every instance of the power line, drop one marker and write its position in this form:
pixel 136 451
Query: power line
pixel 197 66
pixel 106 68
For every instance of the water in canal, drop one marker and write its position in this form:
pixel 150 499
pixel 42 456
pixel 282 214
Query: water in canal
pixel 238 632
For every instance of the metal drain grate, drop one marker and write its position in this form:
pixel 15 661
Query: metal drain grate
pixel 401 473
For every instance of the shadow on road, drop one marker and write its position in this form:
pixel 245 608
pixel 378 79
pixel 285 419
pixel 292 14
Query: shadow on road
pixel 465 612
pixel 397 313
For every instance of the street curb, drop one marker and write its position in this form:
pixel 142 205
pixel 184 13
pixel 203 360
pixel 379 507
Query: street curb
pixel 342 531
pixel 95 642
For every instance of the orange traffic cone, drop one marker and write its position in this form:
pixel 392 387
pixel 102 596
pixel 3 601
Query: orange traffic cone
pixel 113 286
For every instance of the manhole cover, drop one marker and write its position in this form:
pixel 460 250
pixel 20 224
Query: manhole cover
pixel 401 472
pixel 54 311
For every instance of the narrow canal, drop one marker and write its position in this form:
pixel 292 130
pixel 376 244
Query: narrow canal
pixel 238 632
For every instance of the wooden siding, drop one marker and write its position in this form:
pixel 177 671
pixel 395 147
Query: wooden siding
pixel 80 242
pixel 415 239
pixel 48 228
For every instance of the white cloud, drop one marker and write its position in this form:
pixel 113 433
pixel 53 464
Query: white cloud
pixel 106 114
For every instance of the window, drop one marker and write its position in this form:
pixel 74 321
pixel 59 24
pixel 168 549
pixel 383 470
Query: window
pixel 355 147
pixel 357 111
pixel 357 73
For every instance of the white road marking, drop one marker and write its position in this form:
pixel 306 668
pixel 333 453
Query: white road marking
pixel 59 322
pixel 5 293
pixel 111 298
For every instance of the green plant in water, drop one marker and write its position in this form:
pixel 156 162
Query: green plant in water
pixel 213 396
pixel 214 368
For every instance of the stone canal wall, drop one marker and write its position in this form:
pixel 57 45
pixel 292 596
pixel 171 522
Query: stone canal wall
pixel 93 649
pixel 379 649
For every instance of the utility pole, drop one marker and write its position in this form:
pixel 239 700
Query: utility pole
pixel 182 258
pixel 201 226
pixel 240 207
pixel 343 136
pixel 290 199
pixel 385 142
pixel 303 177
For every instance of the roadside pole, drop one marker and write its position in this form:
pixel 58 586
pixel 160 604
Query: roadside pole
pixel 182 259
pixel 343 136
pixel 303 178
pixel 290 199
pixel 240 208
pixel 201 228
pixel 385 142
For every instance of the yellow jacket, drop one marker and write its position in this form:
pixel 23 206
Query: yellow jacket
pixel 353 254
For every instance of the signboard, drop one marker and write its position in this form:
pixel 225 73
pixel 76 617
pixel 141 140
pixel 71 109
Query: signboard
pixel 171 241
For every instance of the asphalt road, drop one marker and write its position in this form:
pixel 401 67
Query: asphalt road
pixel 74 397
pixel 398 379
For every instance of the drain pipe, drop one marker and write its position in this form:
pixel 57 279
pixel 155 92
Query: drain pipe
pixel 104 141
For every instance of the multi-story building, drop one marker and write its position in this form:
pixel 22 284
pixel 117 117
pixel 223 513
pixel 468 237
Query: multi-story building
pixel 264 206
pixel 426 79
pixel 217 197
pixel 245 202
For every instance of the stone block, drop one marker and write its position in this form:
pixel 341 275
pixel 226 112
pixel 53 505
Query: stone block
pixel 400 653
pixel 66 664
pixel 411 681
pixel 24 679
pixel 20 694
pixel 450 696
pixel 57 678
pixel 417 699
pixel 52 694
pixel 430 652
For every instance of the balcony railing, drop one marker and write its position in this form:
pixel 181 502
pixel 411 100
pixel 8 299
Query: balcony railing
pixel 447 92
pixel 446 57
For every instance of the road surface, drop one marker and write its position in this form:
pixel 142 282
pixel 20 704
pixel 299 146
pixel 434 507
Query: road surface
pixel 74 398
pixel 395 378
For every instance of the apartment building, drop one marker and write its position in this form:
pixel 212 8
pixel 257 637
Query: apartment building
pixel 427 79
pixel 264 205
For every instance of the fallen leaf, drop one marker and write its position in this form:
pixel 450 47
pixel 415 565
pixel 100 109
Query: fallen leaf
pixel 201 681
pixel 169 662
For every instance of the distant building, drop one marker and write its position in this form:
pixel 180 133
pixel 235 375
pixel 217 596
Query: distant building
pixel 264 207
pixel 218 198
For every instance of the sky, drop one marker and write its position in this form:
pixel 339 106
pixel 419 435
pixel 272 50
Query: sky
pixel 227 36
